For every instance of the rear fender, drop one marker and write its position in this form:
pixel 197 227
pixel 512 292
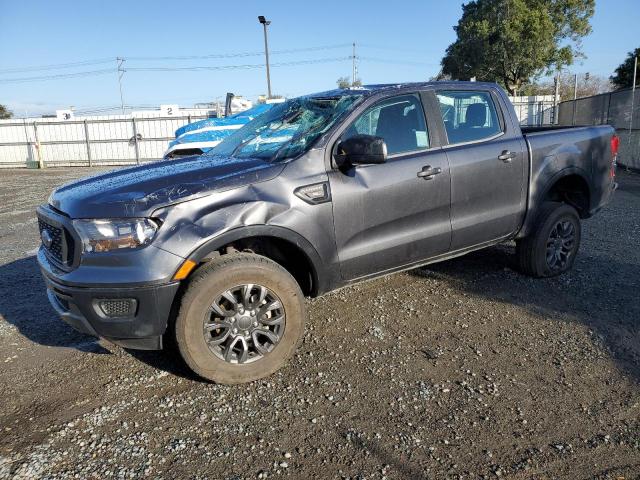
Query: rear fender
pixel 539 194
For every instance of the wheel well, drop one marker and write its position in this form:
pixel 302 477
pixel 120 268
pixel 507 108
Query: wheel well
pixel 283 252
pixel 574 190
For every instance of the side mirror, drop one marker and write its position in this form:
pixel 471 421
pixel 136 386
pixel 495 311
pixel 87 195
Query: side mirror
pixel 360 150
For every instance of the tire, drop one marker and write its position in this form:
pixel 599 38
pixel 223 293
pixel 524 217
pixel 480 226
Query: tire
pixel 557 227
pixel 206 338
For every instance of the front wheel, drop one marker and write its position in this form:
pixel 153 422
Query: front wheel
pixel 552 246
pixel 241 318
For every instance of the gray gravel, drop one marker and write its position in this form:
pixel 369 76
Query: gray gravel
pixel 465 369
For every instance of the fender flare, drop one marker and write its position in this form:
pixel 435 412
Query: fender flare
pixel 319 272
pixel 536 201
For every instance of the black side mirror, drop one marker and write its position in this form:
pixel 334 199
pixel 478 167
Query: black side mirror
pixel 361 149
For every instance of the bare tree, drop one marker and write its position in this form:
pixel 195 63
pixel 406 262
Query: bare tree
pixel 588 85
pixel 343 82
pixel 5 112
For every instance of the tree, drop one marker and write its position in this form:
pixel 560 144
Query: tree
pixel 343 82
pixel 623 77
pixel 5 113
pixel 588 85
pixel 512 41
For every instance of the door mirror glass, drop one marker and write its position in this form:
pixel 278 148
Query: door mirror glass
pixel 361 149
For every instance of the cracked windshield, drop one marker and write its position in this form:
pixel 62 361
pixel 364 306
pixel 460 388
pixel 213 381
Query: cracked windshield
pixel 287 130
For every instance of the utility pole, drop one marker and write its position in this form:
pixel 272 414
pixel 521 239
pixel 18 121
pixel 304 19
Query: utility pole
pixel 353 68
pixel 121 71
pixel 575 96
pixel 265 23
pixel 633 99
pixel 555 98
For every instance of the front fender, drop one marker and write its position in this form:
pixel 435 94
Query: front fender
pixel 196 228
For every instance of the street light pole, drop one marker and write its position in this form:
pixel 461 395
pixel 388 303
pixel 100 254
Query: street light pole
pixel 264 23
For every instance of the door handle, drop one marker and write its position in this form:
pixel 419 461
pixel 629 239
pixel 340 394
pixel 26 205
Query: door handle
pixel 506 156
pixel 428 172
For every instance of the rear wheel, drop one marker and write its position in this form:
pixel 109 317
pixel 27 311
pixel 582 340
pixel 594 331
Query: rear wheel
pixel 240 319
pixel 551 248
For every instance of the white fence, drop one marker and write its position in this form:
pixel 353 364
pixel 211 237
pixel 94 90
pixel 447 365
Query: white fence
pixel 117 140
pixel 128 140
pixel 534 110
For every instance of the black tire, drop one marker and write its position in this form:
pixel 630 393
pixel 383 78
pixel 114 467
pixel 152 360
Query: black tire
pixel 531 252
pixel 207 284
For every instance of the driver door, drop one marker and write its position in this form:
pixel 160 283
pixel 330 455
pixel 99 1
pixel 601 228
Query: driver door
pixel 387 215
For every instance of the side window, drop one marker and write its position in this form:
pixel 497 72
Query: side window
pixel 398 120
pixel 468 116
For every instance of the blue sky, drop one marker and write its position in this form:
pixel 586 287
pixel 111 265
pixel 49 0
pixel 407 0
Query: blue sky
pixel 413 34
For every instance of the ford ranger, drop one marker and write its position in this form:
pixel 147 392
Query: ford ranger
pixel 218 251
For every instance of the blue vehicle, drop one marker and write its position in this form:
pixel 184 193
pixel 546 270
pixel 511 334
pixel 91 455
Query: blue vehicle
pixel 199 137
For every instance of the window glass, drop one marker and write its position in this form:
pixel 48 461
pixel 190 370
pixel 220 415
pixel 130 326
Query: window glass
pixel 287 129
pixel 468 116
pixel 398 120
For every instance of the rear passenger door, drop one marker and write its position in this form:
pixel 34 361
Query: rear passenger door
pixel 486 158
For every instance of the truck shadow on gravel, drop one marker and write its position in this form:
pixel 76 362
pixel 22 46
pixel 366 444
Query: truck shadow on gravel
pixel 600 292
pixel 24 304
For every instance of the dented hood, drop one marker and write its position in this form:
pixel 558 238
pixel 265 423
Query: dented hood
pixel 138 191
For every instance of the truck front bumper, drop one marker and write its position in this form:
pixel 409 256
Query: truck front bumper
pixel 130 316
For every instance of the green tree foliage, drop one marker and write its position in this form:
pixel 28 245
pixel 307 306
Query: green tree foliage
pixel 623 78
pixel 511 41
pixel 5 113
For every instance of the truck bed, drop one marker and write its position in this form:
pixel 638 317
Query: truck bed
pixel 547 128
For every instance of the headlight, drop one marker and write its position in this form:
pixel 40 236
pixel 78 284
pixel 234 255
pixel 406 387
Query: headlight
pixel 114 234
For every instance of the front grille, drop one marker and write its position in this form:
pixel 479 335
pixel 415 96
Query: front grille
pixel 59 244
pixel 56 248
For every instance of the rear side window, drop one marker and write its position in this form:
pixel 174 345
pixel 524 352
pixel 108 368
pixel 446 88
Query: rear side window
pixel 468 116
pixel 398 120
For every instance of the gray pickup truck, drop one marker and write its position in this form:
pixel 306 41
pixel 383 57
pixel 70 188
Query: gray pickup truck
pixel 217 252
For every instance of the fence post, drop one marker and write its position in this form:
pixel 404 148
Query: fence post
pixel 87 142
pixel 37 142
pixel 135 140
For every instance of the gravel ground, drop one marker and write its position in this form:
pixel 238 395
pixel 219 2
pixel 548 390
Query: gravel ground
pixel 465 369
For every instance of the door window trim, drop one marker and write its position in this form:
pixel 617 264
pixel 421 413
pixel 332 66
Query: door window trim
pixel 396 156
pixel 499 114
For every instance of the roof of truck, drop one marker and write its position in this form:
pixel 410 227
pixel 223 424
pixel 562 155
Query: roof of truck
pixel 371 89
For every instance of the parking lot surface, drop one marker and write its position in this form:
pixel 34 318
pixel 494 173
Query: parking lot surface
pixel 464 369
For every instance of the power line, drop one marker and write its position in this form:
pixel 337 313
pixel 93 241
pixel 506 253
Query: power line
pixel 168 69
pixel 397 62
pixel 83 63
pixel 236 67
pixel 89 73
pixel 242 54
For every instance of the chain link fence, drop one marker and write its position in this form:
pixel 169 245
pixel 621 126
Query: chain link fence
pixel 112 141
pixel 615 109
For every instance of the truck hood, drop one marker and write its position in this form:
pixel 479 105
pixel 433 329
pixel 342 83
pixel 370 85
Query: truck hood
pixel 138 191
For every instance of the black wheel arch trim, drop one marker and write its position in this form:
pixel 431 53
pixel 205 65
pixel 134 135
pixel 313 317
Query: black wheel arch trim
pixel 537 200
pixel 323 275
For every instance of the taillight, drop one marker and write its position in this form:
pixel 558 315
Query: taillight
pixel 615 145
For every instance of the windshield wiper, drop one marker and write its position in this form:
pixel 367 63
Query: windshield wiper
pixel 240 146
